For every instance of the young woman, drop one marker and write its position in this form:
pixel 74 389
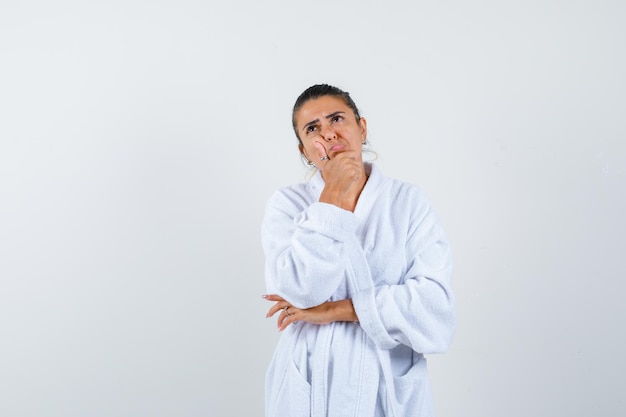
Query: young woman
pixel 359 268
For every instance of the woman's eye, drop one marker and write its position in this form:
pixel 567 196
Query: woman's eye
pixel 311 129
pixel 337 118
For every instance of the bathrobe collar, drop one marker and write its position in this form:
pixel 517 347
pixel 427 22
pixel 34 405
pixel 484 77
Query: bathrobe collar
pixel 367 199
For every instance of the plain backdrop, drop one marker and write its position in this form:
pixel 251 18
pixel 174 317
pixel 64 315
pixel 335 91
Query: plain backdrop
pixel 140 140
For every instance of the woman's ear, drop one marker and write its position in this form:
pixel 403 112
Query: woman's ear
pixel 303 151
pixel 363 124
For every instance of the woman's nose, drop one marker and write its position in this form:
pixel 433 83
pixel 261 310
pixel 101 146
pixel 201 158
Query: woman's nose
pixel 328 133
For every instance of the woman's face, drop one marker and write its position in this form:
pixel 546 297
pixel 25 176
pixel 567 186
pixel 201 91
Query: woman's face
pixel 332 124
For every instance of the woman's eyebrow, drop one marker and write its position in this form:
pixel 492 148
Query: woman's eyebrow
pixel 316 121
pixel 330 116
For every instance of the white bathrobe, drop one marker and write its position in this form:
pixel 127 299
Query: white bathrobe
pixel 392 259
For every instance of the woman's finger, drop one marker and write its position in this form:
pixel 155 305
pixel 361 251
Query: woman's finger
pixel 273 297
pixel 287 318
pixel 278 306
pixel 281 318
pixel 321 151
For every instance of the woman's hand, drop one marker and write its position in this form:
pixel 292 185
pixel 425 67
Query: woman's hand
pixel 344 177
pixel 324 313
pixel 342 169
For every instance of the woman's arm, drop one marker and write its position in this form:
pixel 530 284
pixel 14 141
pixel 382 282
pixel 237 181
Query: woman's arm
pixel 418 312
pixel 304 245
pixel 325 313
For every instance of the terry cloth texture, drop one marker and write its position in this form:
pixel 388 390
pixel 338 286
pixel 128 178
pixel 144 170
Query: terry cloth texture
pixel 392 259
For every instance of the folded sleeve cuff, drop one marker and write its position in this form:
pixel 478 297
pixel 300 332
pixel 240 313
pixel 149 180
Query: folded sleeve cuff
pixel 327 219
pixel 365 307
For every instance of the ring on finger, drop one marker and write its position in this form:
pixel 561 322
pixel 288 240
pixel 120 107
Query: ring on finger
pixel 287 311
pixel 324 158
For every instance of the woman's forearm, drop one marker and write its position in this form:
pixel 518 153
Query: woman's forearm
pixel 342 310
pixel 325 313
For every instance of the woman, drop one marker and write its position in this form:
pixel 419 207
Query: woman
pixel 359 269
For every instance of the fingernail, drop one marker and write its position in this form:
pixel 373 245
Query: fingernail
pixel 264 295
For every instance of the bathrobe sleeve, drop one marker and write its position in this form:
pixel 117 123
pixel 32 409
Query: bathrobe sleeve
pixel 304 248
pixel 419 311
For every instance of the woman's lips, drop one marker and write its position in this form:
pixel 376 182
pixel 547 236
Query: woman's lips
pixel 337 147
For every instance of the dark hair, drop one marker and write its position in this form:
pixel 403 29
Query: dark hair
pixel 321 90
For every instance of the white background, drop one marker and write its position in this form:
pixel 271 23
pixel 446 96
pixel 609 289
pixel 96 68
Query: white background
pixel 140 140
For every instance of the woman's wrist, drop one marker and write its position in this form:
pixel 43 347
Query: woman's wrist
pixel 331 197
pixel 343 310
